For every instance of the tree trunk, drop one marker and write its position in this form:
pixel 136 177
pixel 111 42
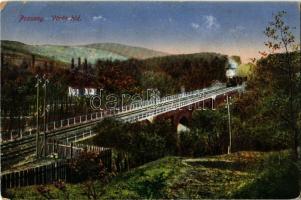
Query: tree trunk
pixel 296 144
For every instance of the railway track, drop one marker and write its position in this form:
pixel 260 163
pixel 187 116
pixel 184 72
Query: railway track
pixel 27 146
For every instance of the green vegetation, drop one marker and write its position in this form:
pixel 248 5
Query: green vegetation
pixel 245 70
pixel 167 74
pixel 272 100
pixel 286 79
pixel 137 143
pixel 66 53
pixel 277 180
pixel 87 166
pixel 265 105
pixel 208 134
pixel 191 71
pixel 93 52
pixel 238 175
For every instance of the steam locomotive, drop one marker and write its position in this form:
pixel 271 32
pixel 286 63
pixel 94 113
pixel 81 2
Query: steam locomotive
pixel 231 73
pixel 233 79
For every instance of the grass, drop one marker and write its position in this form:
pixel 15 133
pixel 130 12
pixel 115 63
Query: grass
pixel 238 175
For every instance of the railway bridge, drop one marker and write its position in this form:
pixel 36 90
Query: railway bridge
pixel 177 107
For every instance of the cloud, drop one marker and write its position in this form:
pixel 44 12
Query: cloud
pixel 238 31
pixel 99 18
pixel 195 26
pixel 207 24
pixel 210 22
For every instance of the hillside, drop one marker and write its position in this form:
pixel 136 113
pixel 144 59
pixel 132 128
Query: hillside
pixel 127 51
pixel 167 73
pixel 239 175
pixel 17 53
pixel 93 52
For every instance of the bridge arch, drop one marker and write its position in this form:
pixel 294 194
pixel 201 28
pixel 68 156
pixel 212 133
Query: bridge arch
pixel 184 121
pixel 183 124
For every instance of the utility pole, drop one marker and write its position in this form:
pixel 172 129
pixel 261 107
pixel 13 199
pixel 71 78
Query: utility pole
pixel 212 102
pixel 45 94
pixel 148 94
pixel 203 90
pixel 37 133
pixel 229 125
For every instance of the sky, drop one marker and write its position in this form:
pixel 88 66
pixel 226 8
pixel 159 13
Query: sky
pixel 231 28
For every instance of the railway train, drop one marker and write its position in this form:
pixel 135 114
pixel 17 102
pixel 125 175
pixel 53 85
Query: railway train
pixel 231 74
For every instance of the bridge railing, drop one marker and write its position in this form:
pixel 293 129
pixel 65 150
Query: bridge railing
pixel 176 105
pixel 51 126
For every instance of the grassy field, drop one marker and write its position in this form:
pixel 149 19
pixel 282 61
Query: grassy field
pixel 238 175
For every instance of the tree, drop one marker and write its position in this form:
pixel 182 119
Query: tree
pixel 281 39
pixel 211 128
pixel 72 64
pixel 87 166
pixel 142 142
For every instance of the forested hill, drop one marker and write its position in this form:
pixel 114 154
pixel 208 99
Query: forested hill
pixel 169 73
pixel 92 52
pixel 190 70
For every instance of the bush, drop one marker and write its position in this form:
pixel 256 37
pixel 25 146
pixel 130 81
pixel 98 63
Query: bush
pixel 138 143
pixel 87 166
pixel 147 147
pixel 152 186
pixel 209 133
pixel 193 143
pixel 277 179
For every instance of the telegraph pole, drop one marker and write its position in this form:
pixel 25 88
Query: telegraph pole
pixel 37 133
pixel 45 94
pixel 229 125
pixel 203 90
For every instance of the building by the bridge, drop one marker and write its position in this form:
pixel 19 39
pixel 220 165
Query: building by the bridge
pixel 77 92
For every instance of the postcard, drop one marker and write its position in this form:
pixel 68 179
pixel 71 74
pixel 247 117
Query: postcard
pixel 150 100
